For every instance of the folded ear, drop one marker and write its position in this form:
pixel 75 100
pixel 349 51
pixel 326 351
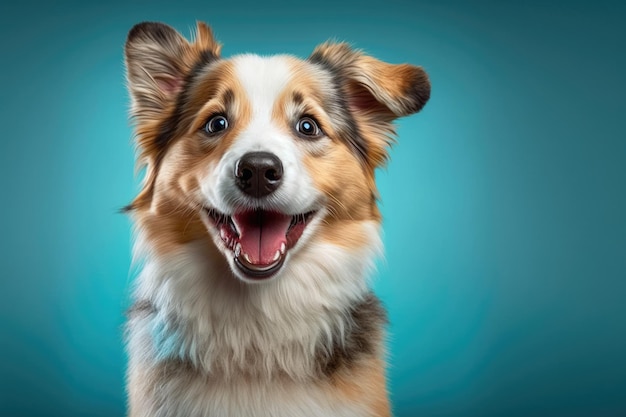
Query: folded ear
pixel 157 61
pixel 375 92
pixel 372 86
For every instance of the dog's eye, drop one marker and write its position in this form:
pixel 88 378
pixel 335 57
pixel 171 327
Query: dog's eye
pixel 308 127
pixel 216 124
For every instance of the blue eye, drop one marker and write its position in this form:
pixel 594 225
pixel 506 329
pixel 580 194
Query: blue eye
pixel 308 127
pixel 216 124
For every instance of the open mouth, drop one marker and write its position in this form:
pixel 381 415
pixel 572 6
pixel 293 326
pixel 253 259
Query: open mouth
pixel 259 239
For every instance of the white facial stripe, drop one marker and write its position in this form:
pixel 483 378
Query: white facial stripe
pixel 263 79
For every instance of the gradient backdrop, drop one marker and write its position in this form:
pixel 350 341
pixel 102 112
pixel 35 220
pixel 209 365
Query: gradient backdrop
pixel 504 203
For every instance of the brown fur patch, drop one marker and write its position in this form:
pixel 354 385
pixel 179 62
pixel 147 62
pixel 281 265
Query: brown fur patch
pixel 365 383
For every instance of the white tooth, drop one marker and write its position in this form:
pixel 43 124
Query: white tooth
pixel 283 248
pixel 223 234
pixel 276 256
pixel 247 258
pixel 237 228
pixel 238 249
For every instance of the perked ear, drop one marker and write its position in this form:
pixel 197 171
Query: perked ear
pixel 373 87
pixel 157 61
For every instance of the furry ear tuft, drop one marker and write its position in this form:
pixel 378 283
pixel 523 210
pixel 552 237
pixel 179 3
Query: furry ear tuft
pixel 158 59
pixel 373 86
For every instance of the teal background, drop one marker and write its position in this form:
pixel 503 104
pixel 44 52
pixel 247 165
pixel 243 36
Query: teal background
pixel 504 202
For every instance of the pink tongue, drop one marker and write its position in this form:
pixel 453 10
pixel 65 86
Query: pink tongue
pixel 261 234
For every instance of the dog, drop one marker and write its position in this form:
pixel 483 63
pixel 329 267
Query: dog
pixel 257 227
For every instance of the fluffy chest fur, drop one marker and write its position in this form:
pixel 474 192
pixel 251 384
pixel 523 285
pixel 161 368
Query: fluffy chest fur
pixel 189 309
pixel 267 352
pixel 183 394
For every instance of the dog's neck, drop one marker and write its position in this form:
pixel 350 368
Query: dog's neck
pixel 310 320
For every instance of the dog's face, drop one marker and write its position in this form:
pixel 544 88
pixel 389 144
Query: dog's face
pixel 261 154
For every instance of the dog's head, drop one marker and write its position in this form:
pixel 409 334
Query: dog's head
pixel 261 155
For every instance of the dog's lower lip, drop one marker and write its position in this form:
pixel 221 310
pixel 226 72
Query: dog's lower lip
pixel 258 272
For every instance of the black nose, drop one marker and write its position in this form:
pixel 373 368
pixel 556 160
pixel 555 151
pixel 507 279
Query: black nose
pixel 258 173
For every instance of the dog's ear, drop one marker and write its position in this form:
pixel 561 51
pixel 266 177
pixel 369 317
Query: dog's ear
pixel 376 92
pixel 373 86
pixel 158 63
pixel 158 59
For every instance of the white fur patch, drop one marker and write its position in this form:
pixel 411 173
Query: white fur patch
pixel 200 398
